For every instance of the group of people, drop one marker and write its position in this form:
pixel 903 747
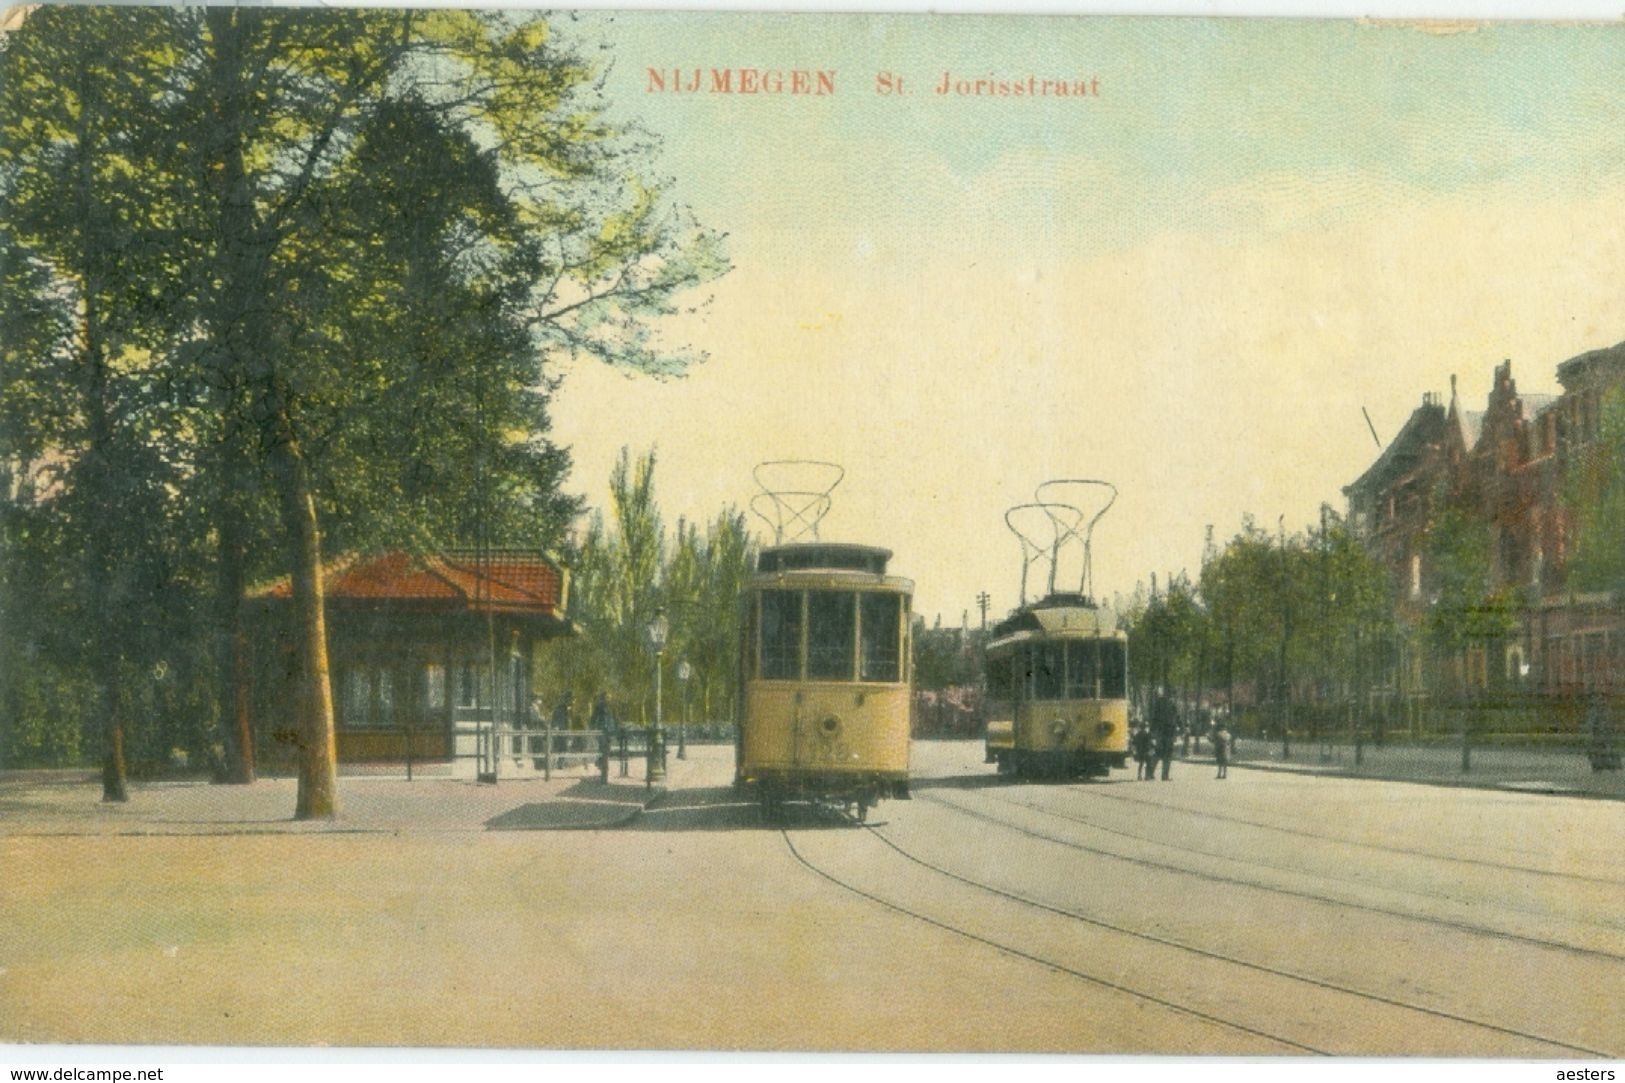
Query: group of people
pixel 1152 743
pixel 602 717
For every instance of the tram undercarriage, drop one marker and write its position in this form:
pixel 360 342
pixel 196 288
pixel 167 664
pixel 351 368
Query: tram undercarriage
pixel 1024 763
pixel 853 794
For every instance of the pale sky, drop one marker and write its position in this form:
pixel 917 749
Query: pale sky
pixel 1188 285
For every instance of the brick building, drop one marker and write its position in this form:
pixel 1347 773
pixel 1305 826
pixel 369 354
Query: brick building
pixel 1508 464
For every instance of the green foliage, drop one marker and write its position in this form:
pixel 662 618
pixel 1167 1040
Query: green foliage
pixel 315 258
pixel 945 657
pixel 1467 609
pixel 629 569
pixel 1314 602
pixel 1595 493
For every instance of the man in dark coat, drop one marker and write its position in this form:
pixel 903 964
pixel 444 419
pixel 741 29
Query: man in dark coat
pixel 1164 728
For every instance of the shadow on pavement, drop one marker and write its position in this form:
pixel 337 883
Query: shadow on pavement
pixel 719 808
pixel 986 782
pixel 557 815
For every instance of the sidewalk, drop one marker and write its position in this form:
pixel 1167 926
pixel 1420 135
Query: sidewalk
pixel 68 803
pixel 1566 772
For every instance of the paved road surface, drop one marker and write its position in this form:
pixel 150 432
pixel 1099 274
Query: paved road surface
pixel 1270 913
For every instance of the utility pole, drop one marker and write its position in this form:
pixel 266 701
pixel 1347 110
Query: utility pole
pixel 982 601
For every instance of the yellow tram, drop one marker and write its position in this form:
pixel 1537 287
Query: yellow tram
pixel 824 659
pixel 1057 687
pixel 1057 669
pixel 825 671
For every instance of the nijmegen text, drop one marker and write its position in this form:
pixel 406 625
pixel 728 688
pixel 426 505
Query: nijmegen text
pixel 817 84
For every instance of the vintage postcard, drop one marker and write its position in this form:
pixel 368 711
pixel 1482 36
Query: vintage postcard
pixel 812 533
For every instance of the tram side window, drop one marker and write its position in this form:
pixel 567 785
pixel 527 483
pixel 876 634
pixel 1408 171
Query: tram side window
pixel 1080 669
pixel 1048 664
pixel 1113 669
pixel 781 635
pixel 879 635
pixel 999 683
pixel 831 624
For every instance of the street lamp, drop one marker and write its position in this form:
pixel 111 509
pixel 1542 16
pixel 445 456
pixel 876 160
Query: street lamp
pixel 684 672
pixel 654 635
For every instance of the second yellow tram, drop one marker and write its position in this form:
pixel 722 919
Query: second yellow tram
pixel 1057 687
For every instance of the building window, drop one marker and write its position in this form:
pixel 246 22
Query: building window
pixel 434 686
pixel 472 683
pixel 357 698
pixel 385 715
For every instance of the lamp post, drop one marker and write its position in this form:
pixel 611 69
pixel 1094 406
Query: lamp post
pixel 654 636
pixel 684 672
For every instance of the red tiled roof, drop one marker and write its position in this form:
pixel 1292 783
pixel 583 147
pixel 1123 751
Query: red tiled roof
pixel 503 579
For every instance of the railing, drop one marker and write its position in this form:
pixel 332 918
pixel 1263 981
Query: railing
pixel 547 748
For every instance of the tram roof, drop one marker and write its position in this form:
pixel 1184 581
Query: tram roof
pixel 823 556
pixel 1058 615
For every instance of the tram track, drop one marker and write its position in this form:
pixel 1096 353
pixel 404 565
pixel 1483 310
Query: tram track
pixel 1165 942
pixel 1142 936
pixel 1498 866
pixel 1258 885
pixel 1255 862
pixel 1050 964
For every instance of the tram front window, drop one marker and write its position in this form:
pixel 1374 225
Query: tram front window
pixel 781 635
pixel 879 635
pixel 1080 669
pixel 1113 669
pixel 830 628
pixel 1048 660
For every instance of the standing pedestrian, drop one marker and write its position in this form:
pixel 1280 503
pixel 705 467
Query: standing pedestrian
pixel 1221 750
pixel 1141 743
pixel 601 718
pixel 1165 726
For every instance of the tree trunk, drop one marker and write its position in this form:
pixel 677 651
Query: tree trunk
pixel 318 755
pixel 114 786
pixel 233 660
pixel 96 474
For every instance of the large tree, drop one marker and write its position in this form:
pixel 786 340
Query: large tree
pixel 376 226
pixel 84 192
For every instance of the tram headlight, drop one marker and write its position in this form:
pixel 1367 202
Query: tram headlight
pixel 829 727
pixel 1057 728
pixel 1104 729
